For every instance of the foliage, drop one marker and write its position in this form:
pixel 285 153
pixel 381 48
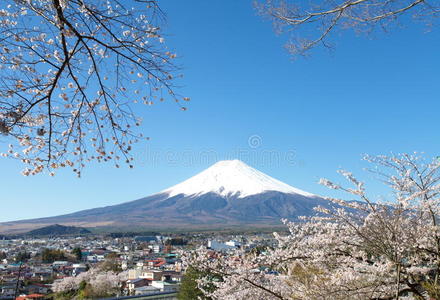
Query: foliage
pixel 68 295
pixel 72 72
pixel 189 287
pixel 360 249
pixel 178 241
pixel 111 263
pixel 77 252
pixel 51 255
pixel 22 256
pixel 57 230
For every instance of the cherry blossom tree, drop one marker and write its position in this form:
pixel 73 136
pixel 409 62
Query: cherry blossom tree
pixel 312 23
pixel 72 73
pixel 101 283
pixel 358 249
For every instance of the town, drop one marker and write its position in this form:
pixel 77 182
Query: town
pixel 106 266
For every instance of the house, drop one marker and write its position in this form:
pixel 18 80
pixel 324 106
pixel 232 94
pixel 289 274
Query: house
pixel 61 263
pixel 134 273
pixel 233 243
pixel 95 258
pixel 38 288
pixel 7 291
pixel 132 284
pixel 153 275
pixel 156 248
pixel 156 263
pixel 222 247
pixel 166 286
pixel 42 274
pixel 78 268
pixel 171 276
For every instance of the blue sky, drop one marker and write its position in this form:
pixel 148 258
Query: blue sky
pixel 308 117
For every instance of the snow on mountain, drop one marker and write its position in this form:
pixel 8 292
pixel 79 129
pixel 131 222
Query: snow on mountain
pixel 232 177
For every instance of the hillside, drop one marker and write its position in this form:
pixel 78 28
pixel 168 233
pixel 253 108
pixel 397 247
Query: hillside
pixel 56 229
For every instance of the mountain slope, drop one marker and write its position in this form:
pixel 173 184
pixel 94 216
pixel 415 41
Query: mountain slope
pixel 227 193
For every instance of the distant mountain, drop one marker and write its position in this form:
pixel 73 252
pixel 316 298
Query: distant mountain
pixel 227 194
pixel 56 229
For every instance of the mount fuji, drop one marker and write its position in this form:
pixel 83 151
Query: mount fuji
pixel 229 193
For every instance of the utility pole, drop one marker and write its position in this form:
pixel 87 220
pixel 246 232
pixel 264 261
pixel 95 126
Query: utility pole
pixel 18 280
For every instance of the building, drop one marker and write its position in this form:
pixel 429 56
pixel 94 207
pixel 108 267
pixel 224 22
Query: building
pixel 165 286
pixel 133 284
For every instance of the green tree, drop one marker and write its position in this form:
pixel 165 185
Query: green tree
pixel 64 295
pixel 85 291
pixel 111 263
pixel 50 255
pixel 22 256
pixel 178 241
pixel 77 252
pixel 189 289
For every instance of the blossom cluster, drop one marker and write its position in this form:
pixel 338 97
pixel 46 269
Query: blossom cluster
pixel 72 73
pixel 101 282
pixel 356 249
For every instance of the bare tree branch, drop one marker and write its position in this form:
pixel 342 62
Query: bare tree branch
pixel 72 71
pixel 314 22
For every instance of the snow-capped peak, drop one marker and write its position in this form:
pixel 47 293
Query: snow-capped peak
pixel 232 177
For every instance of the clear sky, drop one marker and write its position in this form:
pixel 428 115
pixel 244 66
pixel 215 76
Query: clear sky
pixel 294 120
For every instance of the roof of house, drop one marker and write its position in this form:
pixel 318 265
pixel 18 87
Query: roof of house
pixel 136 280
pixel 40 285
